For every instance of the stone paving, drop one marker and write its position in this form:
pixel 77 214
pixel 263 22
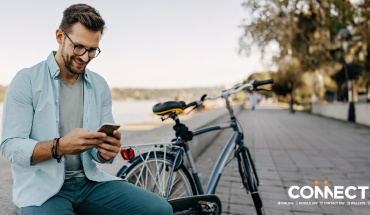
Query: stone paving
pixel 288 149
pixel 295 149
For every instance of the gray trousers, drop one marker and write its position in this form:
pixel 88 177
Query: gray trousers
pixel 82 196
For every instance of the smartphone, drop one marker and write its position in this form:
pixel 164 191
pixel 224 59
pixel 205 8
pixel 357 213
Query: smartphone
pixel 108 128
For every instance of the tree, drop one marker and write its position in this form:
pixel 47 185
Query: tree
pixel 260 76
pixel 288 79
pixel 361 42
pixel 305 30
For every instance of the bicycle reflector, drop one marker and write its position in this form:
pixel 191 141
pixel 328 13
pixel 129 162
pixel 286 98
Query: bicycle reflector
pixel 127 153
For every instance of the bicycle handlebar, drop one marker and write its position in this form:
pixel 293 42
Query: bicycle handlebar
pixel 263 82
pixel 251 85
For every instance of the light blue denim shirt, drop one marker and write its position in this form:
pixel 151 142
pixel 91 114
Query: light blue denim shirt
pixel 31 115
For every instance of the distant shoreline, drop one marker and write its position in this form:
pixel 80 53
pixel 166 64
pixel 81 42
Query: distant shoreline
pixel 185 94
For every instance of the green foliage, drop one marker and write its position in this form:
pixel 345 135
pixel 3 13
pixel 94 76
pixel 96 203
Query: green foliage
pixel 286 80
pixel 289 77
pixel 303 29
pixel 307 31
pixel 260 76
pixel 360 45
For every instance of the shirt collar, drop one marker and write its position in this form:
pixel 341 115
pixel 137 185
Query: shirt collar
pixel 52 64
pixel 55 70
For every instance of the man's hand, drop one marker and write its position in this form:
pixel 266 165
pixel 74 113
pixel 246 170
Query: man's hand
pixel 75 142
pixel 110 146
pixel 80 140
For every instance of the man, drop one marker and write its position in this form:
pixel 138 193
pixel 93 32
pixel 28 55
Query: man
pixel 51 113
pixel 253 98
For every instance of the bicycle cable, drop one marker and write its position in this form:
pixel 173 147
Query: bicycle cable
pixel 241 127
pixel 227 163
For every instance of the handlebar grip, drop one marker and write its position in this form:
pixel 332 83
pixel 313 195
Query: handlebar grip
pixel 203 97
pixel 259 83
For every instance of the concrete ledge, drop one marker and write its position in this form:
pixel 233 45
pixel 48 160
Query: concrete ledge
pixel 362 113
pixel 336 111
pixel 340 111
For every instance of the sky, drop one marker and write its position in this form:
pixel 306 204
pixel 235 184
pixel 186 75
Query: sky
pixel 147 43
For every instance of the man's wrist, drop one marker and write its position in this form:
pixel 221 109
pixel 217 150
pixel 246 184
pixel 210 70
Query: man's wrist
pixel 55 150
pixel 102 159
pixel 60 151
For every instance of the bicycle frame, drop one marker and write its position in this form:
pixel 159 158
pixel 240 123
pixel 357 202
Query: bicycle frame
pixel 234 140
pixel 234 143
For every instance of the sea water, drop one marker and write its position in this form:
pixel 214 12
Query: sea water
pixel 124 111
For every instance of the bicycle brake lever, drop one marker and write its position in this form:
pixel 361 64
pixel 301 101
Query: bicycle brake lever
pixel 192 109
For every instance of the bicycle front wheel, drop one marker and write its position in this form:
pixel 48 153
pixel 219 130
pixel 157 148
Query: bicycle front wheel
pixel 151 171
pixel 249 178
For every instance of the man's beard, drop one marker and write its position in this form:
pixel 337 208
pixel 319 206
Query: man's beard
pixel 68 63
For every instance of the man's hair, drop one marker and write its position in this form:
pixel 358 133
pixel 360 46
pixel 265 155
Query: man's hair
pixel 85 14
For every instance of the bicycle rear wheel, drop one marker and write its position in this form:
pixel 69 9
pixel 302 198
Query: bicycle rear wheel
pixel 249 178
pixel 151 171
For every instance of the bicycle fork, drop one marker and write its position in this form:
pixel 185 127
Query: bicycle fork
pixel 251 187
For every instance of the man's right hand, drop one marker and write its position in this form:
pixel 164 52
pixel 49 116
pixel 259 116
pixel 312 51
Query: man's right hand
pixel 75 142
pixel 79 140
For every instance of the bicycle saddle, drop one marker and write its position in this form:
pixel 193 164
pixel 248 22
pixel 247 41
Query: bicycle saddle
pixel 168 107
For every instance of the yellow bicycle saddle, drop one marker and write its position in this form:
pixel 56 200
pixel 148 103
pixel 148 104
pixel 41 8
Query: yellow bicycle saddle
pixel 168 107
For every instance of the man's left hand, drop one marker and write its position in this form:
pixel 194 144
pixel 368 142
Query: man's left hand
pixel 111 146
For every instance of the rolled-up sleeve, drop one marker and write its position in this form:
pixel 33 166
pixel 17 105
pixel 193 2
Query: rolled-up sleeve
pixel 16 147
pixel 106 114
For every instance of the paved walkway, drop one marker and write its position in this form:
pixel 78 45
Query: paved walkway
pixel 296 149
pixel 289 149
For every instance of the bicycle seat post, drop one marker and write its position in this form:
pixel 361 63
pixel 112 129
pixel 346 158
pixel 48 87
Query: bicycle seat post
pixel 175 117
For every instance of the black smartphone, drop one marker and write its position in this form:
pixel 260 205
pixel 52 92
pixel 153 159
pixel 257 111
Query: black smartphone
pixel 108 128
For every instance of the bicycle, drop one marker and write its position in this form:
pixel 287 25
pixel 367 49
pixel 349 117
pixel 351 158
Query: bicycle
pixel 160 168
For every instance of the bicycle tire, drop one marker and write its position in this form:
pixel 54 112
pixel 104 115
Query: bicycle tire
pixel 144 174
pixel 249 179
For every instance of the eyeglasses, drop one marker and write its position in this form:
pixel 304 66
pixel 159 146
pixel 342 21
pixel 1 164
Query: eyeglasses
pixel 80 50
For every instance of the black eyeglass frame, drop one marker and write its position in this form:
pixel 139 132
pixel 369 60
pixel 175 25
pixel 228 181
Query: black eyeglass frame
pixel 80 46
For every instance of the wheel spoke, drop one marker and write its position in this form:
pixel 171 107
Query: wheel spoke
pixel 151 173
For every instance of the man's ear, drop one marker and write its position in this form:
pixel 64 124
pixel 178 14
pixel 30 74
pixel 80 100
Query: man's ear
pixel 59 36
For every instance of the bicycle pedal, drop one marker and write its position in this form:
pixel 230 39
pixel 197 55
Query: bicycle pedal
pixel 209 207
pixel 203 204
